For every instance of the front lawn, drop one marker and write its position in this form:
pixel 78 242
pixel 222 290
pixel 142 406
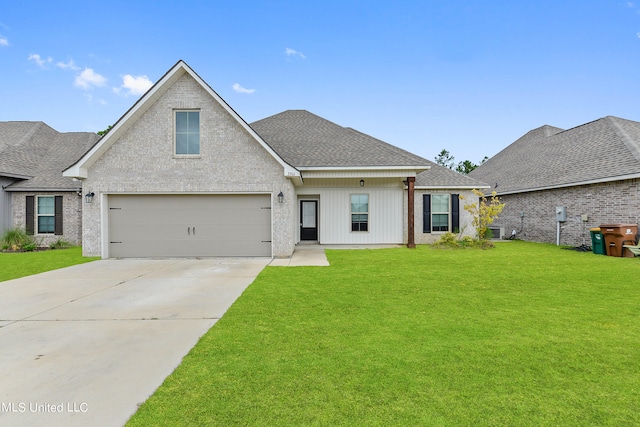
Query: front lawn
pixel 19 264
pixel 523 334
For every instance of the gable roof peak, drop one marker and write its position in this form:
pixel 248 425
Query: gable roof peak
pixel 140 107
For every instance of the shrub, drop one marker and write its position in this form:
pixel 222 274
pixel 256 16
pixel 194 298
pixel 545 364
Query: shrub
pixel 450 241
pixel 16 239
pixel 60 244
pixel 447 240
pixel 29 247
pixel 484 213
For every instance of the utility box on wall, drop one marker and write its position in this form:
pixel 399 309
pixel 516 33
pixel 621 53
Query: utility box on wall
pixel 561 213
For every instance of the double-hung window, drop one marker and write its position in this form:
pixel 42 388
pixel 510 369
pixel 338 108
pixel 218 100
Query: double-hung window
pixel 187 137
pixel 43 215
pixel 359 212
pixel 46 215
pixel 441 212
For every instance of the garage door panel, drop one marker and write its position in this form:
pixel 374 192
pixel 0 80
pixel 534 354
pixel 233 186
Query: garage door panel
pixel 189 225
pixel 232 231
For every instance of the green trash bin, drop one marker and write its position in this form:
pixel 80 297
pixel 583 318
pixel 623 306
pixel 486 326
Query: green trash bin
pixel 597 241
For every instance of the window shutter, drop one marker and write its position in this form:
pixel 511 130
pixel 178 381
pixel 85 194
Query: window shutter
pixel 30 217
pixel 426 213
pixel 455 213
pixel 57 227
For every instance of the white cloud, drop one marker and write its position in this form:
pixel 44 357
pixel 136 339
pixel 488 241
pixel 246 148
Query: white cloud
pixel 4 41
pixel 241 89
pixel 40 61
pixel 638 34
pixel 89 78
pixel 292 52
pixel 68 65
pixel 91 100
pixel 135 85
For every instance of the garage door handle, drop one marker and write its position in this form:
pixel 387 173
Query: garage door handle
pixel 194 231
pixel 189 231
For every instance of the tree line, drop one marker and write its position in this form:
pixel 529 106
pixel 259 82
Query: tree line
pixel 446 159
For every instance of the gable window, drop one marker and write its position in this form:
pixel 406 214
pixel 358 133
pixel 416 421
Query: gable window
pixel 359 212
pixel 440 212
pixel 187 138
pixel 44 215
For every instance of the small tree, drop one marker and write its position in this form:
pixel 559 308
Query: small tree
pixel 484 212
pixel 104 132
pixel 445 159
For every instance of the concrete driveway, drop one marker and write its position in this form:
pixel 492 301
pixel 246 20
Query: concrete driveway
pixel 84 345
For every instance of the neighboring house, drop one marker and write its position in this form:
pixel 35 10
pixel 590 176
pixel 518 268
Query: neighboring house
pixel 34 195
pixel 592 170
pixel 182 174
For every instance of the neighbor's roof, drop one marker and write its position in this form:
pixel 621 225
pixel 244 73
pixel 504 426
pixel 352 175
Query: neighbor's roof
pixel 306 140
pixel 604 150
pixel 37 154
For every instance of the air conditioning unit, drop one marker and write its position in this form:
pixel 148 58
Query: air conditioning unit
pixel 497 232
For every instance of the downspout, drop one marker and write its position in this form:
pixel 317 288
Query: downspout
pixel 411 243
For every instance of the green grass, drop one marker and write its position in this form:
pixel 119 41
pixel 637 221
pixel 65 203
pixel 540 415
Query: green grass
pixel 18 264
pixel 524 334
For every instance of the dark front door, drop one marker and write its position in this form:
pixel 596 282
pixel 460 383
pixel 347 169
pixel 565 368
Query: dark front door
pixel 308 220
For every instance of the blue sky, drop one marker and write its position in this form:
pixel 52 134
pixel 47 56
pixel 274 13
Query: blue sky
pixel 468 76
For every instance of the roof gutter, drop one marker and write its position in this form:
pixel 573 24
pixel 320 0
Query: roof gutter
pixel 15 175
pixel 449 187
pixel 573 184
pixel 42 189
pixel 360 168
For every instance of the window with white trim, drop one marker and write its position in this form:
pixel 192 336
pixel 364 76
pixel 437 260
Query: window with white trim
pixel 359 212
pixel 187 133
pixel 441 212
pixel 45 213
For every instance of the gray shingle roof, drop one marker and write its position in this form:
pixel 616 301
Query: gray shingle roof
pixel 303 139
pixel 38 151
pixel 603 150
pixel 440 176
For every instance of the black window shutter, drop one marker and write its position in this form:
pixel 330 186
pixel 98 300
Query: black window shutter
pixel 30 218
pixel 455 213
pixel 57 227
pixel 426 213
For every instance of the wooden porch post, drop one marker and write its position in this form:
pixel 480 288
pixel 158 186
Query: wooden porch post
pixel 411 243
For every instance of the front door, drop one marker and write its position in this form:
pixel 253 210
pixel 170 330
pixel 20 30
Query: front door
pixel 308 220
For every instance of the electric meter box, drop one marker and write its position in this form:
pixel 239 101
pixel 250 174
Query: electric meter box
pixel 561 213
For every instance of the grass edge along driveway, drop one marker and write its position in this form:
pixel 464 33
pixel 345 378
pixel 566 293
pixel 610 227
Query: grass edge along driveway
pixel 523 334
pixel 14 265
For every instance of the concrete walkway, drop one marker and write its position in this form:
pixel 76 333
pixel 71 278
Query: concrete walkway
pixel 314 254
pixel 84 345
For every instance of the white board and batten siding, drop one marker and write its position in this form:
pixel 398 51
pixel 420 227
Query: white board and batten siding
pixel 334 215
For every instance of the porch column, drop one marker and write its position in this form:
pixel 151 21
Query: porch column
pixel 411 242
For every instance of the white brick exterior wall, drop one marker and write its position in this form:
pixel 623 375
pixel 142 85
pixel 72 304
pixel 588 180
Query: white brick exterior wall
pixel 71 211
pixel 466 229
pixel 142 161
pixel 605 203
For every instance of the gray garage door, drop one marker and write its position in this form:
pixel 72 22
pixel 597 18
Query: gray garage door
pixel 189 225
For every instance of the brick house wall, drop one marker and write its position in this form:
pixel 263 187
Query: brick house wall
pixel 532 214
pixel 142 161
pixel 71 222
pixel 466 228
